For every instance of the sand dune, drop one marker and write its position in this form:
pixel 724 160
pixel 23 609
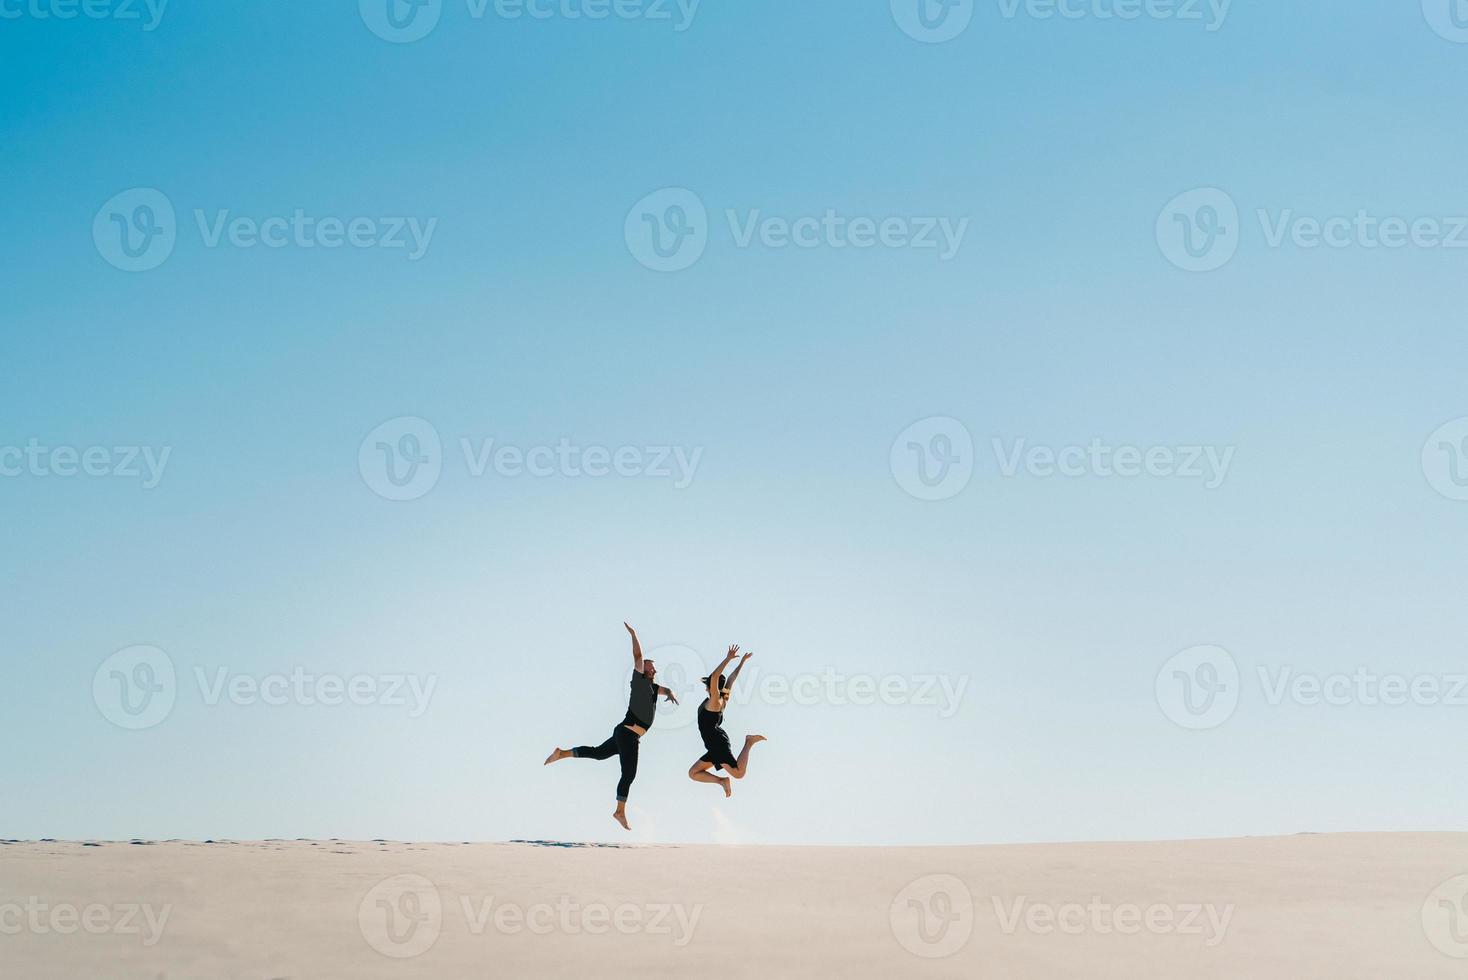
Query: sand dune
pixel 1339 906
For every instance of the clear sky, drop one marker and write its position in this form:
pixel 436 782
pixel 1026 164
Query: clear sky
pixel 495 176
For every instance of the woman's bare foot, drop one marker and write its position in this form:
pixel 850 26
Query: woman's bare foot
pixel 728 785
pixel 557 756
pixel 754 739
pixel 621 818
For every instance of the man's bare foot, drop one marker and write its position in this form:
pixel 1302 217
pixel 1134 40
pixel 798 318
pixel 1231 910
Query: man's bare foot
pixel 621 818
pixel 728 785
pixel 755 739
pixel 557 756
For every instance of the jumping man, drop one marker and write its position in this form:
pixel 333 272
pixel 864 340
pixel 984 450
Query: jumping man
pixel 642 708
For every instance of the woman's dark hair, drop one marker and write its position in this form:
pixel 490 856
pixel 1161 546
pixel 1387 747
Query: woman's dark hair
pixel 722 685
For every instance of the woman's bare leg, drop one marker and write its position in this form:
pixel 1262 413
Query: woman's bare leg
pixel 742 769
pixel 700 773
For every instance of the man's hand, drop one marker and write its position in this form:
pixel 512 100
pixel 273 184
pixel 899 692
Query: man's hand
pixel 668 693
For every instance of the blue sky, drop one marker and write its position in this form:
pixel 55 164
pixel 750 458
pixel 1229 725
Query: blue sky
pixel 1062 319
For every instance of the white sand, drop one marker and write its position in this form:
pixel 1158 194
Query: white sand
pixel 1340 906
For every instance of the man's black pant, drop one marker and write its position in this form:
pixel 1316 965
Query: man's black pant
pixel 623 744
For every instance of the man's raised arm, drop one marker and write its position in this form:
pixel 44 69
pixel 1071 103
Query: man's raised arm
pixel 636 649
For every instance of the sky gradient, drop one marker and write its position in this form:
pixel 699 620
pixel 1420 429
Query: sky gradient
pixel 550 165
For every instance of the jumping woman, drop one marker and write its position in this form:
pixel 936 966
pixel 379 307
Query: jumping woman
pixel 711 728
pixel 642 707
